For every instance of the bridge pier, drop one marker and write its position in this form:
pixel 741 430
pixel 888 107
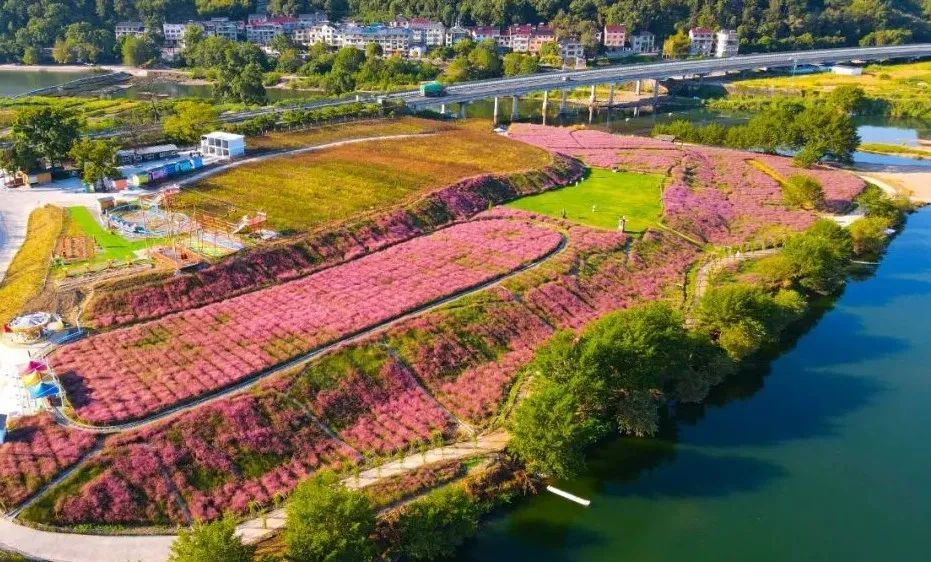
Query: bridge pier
pixel 611 96
pixel 462 109
pixel 442 109
pixel 494 115
pixel 637 86
pixel 515 114
pixel 546 103
pixel 655 94
pixel 564 95
pixel 592 97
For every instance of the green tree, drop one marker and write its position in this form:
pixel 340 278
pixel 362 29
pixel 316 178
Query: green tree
pixel 868 235
pixel 373 50
pixel 848 98
pixel 44 132
pixel 247 86
pixel 803 191
pixel 431 528
pixel 327 522
pixel 137 51
pixel 736 316
pixel 820 256
pixel 96 159
pixel 211 542
pixel 190 120
pixel 826 131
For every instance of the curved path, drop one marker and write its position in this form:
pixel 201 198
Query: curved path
pixel 62 418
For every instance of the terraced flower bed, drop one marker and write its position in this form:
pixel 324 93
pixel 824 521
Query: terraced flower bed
pixel 130 373
pixel 36 449
pixel 716 195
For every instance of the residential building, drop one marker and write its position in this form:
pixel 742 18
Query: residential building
pixel 129 29
pixel 391 39
pixel 701 41
pixel 456 34
pixel 487 33
pixel 643 42
pixel 540 35
pixel 222 144
pixel 223 27
pixel 325 32
pixel 519 37
pixel 571 50
pixel 726 43
pixel 425 32
pixel 614 37
pixel 174 32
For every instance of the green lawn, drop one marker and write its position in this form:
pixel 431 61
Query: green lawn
pixel 601 199
pixel 112 246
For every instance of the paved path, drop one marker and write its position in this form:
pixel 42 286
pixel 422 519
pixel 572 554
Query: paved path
pixel 262 527
pixel 63 547
pixel 709 268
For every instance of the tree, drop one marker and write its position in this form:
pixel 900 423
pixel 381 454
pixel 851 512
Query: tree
pixel 826 131
pixel 328 522
pixel 190 120
pixel 515 64
pixel 677 45
pixel 803 191
pixel 96 159
pixel 549 54
pixel 373 50
pixel 868 235
pixel 848 98
pixel 820 255
pixel 247 86
pixel 736 316
pixel 432 527
pixel 137 51
pixel 44 132
pixel 210 542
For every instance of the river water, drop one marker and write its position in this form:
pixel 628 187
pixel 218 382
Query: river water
pixel 15 82
pixel 821 455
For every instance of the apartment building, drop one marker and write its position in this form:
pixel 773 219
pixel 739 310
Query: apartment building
pixel 540 35
pixel 727 43
pixel 614 37
pixel 643 42
pixel 129 29
pixel 701 41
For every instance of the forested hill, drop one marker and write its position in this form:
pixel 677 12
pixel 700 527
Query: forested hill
pixel 29 26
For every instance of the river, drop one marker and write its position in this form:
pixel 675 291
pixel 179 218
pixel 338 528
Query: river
pixel 15 82
pixel 821 455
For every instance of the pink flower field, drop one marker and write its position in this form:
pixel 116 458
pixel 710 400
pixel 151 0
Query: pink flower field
pixel 129 373
pixel 716 195
pixel 36 449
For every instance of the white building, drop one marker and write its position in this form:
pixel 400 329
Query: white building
pixel 487 32
pixel 456 34
pixel 222 144
pixel 222 27
pixel 391 39
pixel 701 41
pixel 726 43
pixel 643 42
pixel 426 32
pixel 325 32
pixel 129 29
pixel 570 49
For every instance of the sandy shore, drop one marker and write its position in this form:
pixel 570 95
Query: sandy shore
pixel 73 68
pixel 913 181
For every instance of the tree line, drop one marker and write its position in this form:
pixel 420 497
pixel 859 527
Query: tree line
pixel 82 30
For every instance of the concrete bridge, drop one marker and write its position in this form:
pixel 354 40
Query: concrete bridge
pixel 564 81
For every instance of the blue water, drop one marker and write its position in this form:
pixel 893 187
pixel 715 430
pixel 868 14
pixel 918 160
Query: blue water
pixel 822 455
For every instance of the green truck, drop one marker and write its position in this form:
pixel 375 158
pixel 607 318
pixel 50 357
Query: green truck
pixel 432 89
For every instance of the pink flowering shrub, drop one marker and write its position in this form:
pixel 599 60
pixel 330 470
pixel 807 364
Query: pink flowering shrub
pixel 231 455
pixel 36 449
pixel 135 371
pixel 372 400
pixel 313 252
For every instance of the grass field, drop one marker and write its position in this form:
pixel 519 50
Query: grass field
pixel 27 273
pixel 303 191
pixel 601 199
pixel 888 81
pixel 112 246
pixel 343 131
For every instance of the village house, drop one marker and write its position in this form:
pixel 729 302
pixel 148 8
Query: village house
pixel 129 29
pixel 614 37
pixel 701 41
pixel 643 42
pixel 727 43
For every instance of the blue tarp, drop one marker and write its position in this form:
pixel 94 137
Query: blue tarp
pixel 43 390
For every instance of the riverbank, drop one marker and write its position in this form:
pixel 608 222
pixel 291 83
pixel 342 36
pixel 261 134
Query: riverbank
pixel 913 182
pixel 135 71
